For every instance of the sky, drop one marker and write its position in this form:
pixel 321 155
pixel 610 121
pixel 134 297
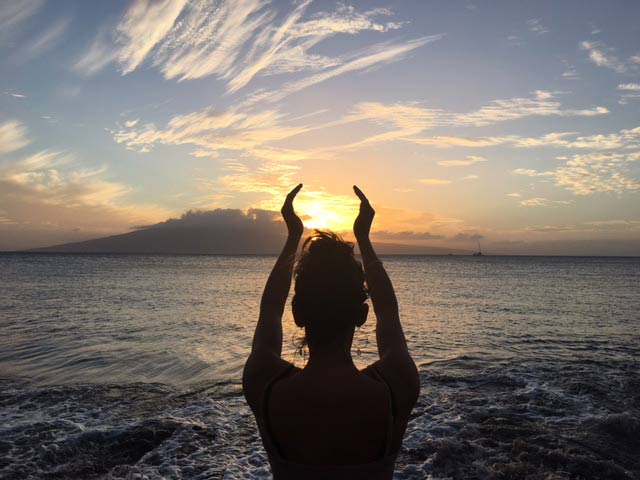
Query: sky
pixel 511 124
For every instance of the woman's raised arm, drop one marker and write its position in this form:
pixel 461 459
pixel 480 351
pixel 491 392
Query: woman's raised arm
pixel 389 332
pixel 264 361
pixel 395 364
pixel 268 335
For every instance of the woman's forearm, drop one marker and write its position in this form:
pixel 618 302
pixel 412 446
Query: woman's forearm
pixel 278 284
pixel 389 334
pixel 380 287
pixel 268 334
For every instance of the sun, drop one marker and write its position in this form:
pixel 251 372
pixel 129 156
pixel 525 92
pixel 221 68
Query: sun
pixel 324 216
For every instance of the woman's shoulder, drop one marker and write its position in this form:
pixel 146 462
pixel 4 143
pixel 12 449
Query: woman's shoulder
pixel 343 386
pixel 402 381
pixel 259 374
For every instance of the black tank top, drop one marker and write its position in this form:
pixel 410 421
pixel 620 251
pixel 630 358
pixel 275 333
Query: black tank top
pixel 380 469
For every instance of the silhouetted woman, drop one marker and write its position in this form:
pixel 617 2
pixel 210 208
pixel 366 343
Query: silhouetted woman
pixel 330 420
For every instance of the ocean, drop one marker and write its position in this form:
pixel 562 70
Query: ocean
pixel 129 366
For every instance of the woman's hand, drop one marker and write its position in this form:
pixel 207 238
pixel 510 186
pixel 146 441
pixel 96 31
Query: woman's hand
pixel 362 225
pixel 294 224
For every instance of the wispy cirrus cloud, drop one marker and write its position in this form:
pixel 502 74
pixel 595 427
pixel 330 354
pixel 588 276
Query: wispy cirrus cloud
pixel 13 136
pixel 603 56
pixel 515 41
pixel 51 174
pixel 632 87
pixel 433 181
pixel 586 174
pixel 144 24
pixel 542 103
pixel 624 139
pixel 255 132
pixel 398 120
pixel 447 141
pixel 99 54
pixel 570 73
pixel 13 13
pixel 45 40
pixel 15 94
pixel 629 91
pixel 409 120
pixel 380 54
pixel 536 26
pixel 211 132
pixel 542 202
pixel 237 40
pixel 470 160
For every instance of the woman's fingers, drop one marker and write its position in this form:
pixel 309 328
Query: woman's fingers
pixel 364 201
pixel 295 191
pixel 292 194
pixel 360 195
pixel 363 221
pixel 288 202
pixel 294 224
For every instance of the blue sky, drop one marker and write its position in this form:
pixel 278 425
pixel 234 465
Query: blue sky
pixel 516 123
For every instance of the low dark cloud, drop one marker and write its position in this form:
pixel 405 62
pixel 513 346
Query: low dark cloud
pixel 467 237
pixel 222 218
pixel 551 229
pixel 405 236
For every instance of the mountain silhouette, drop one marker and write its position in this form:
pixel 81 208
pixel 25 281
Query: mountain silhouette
pixel 221 231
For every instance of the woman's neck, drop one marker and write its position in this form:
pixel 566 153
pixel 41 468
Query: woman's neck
pixel 334 356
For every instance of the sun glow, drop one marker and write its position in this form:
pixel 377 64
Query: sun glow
pixel 319 209
pixel 324 216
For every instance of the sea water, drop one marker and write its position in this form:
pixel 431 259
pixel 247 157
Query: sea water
pixel 129 366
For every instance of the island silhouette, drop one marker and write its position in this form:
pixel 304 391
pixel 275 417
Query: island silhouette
pixel 219 231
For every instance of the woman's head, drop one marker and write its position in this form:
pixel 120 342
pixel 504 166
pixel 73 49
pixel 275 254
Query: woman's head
pixel 330 294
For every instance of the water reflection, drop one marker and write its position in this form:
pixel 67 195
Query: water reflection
pixel 185 320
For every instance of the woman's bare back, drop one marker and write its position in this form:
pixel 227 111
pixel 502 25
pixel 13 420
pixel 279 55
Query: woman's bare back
pixel 340 418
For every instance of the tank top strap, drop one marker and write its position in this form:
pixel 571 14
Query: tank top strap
pixel 270 444
pixel 390 420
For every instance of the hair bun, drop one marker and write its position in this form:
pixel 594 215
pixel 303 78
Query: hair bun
pixel 328 273
pixel 323 246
